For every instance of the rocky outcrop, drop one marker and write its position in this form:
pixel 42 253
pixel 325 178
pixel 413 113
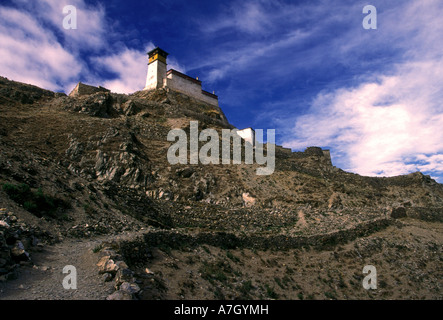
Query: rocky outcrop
pixel 17 240
pixel 420 213
pixel 121 165
pixel 101 104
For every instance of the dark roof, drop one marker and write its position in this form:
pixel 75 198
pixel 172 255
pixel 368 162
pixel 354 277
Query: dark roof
pixel 210 94
pixel 158 50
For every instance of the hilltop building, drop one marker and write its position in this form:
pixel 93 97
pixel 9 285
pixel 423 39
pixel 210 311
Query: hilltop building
pixel 159 77
pixel 248 135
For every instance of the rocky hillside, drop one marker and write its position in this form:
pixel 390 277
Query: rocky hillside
pixel 96 165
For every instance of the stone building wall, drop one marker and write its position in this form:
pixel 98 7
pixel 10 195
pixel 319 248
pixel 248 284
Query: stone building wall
pixel 156 75
pixel 83 89
pixel 183 84
pixel 180 82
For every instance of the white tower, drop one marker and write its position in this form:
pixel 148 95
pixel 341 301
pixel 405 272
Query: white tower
pixel 156 69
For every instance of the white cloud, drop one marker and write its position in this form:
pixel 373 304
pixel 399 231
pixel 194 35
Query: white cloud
pixel 30 54
pixel 374 137
pixel 130 67
pixel 264 17
pixel 36 49
pixel 390 124
pixel 245 16
pixel 127 65
pixel 91 25
pixel 247 57
pixel 432 163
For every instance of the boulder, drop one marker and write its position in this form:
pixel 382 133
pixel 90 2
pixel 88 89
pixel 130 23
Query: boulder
pixel 131 288
pixel 248 200
pixel 18 252
pixel 124 275
pixel 107 277
pixel 107 265
pixel 120 295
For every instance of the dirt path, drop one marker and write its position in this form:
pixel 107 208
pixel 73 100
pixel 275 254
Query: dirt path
pixel 44 280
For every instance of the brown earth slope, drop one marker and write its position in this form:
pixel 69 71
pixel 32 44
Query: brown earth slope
pixel 94 167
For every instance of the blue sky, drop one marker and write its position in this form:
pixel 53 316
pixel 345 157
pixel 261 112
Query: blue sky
pixel 305 68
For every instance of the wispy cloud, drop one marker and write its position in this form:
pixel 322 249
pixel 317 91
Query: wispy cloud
pixel 35 48
pixel 31 54
pixel 379 102
pixel 391 123
pixel 268 40
pixel 91 22
pixel 245 16
pixel 376 127
pixel 246 58
pixel 130 69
